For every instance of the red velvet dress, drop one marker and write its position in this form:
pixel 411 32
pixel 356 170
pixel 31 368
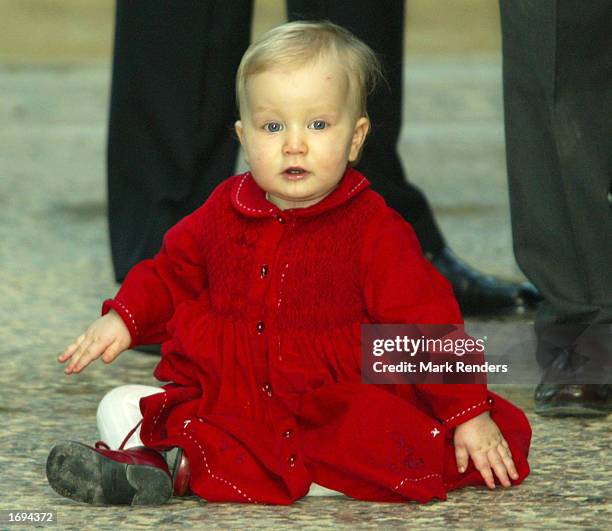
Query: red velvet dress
pixel 259 312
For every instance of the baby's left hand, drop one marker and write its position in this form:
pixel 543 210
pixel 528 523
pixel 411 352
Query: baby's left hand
pixel 480 439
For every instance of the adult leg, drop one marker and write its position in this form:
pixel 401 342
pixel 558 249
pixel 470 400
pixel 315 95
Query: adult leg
pixel 557 86
pixel 381 25
pixel 171 139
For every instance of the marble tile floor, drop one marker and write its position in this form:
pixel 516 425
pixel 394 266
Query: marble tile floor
pixel 55 270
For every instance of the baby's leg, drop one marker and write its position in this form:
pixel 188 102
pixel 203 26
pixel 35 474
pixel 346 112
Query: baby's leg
pixel 119 412
pixel 318 490
pixel 101 476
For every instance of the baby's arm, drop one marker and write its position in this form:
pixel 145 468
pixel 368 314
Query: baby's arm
pixel 107 337
pixel 401 287
pixel 481 439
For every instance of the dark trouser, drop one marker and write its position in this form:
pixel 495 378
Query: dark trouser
pixel 558 117
pixel 171 139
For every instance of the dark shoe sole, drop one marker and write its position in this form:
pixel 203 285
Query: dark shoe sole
pixel 78 472
pixel 570 410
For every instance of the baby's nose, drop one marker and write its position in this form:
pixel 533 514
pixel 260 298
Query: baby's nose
pixel 295 143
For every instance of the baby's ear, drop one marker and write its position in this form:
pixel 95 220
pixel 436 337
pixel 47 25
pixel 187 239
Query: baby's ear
pixel 238 129
pixel 362 127
pixel 240 133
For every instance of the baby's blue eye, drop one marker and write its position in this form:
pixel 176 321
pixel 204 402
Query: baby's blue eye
pixel 273 127
pixel 318 124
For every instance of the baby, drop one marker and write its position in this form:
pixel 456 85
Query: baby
pixel 258 297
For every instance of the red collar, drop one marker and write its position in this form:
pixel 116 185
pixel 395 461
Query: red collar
pixel 251 200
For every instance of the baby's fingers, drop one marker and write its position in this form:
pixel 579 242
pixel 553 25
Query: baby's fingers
pixel 499 467
pixel 87 352
pixel 462 457
pixel 111 352
pixel 80 351
pixel 481 462
pixel 70 349
pixel 506 455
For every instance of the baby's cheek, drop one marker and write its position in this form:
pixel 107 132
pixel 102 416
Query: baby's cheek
pixel 257 154
pixel 336 161
pixel 259 163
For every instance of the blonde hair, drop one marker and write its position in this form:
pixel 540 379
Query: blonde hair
pixel 303 42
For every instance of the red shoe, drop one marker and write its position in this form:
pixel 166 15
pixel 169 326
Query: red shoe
pixel 181 473
pixel 100 476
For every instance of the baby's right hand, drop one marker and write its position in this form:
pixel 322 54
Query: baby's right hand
pixel 107 337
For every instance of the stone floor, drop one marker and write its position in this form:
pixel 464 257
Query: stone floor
pixel 55 270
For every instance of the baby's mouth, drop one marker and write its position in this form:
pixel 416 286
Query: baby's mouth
pixel 295 173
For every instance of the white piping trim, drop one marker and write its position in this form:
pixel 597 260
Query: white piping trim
pixel 416 479
pixel 465 411
pixel 158 416
pixel 282 280
pixel 124 308
pixel 356 186
pixel 210 472
pixel 242 205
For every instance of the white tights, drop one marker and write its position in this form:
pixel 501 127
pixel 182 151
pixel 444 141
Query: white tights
pixel 119 412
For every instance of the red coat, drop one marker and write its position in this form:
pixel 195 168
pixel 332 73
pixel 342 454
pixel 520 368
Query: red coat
pixel 259 312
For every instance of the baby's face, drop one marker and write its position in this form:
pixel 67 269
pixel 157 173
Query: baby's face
pixel 299 128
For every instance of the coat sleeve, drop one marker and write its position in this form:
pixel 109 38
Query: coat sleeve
pixel 402 287
pixel 154 288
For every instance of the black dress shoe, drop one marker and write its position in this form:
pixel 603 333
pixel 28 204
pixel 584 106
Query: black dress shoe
pixel 484 295
pixel 573 400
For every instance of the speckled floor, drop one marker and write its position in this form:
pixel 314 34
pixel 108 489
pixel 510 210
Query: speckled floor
pixel 55 270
